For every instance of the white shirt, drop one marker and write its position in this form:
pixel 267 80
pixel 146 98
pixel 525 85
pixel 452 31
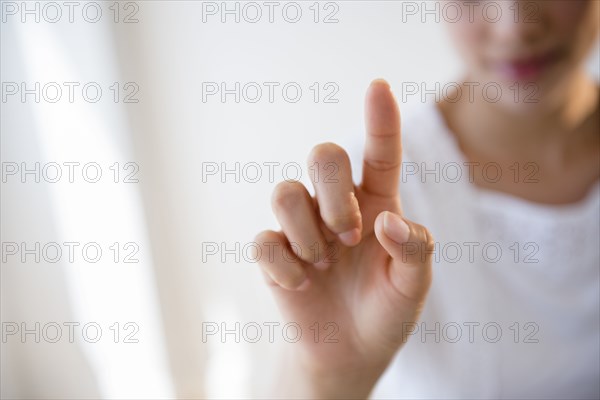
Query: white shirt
pixel 549 305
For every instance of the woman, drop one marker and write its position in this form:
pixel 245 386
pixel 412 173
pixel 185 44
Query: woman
pixel 504 301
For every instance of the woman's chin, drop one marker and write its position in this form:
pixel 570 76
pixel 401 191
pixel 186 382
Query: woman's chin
pixel 523 96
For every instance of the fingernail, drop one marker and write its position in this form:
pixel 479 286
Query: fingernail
pixel 304 285
pixel 351 237
pixel 395 228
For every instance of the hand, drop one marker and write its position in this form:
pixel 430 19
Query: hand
pixel 348 261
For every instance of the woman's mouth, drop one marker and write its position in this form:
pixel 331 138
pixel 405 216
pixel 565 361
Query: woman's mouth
pixel 526 68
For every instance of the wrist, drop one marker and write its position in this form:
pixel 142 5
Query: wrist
pixel 307 380
pixel 340 384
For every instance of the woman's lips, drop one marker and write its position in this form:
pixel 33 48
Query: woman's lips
pixel 529 68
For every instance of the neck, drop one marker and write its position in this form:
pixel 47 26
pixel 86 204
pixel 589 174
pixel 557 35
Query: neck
pixel 555 116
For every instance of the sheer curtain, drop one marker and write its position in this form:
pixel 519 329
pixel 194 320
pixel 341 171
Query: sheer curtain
pixel 93 309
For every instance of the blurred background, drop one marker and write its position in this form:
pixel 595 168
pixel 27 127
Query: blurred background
pixel 140 143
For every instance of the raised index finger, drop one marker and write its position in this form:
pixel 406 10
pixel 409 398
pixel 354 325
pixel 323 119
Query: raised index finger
pixel 383 149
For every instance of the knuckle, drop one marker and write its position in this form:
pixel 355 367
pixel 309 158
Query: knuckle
pixel 381 165
pixel 269 281
pixel 429 241
pixel 342 222
pixel 288 195
pixel 328 152
pixel 262 240
pixel 421 244
pixel 258 238
pixel 283 273
pixel 291 281
pixel 286 276
pixel 425 238
pixel 264 237
pixel 312 252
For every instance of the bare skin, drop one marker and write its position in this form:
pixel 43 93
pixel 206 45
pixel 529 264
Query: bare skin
pixel 374 287
pixel 546 156
pixel 376 284
pixel 558 132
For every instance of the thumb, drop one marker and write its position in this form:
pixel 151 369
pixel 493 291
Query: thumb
pixel 410 247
